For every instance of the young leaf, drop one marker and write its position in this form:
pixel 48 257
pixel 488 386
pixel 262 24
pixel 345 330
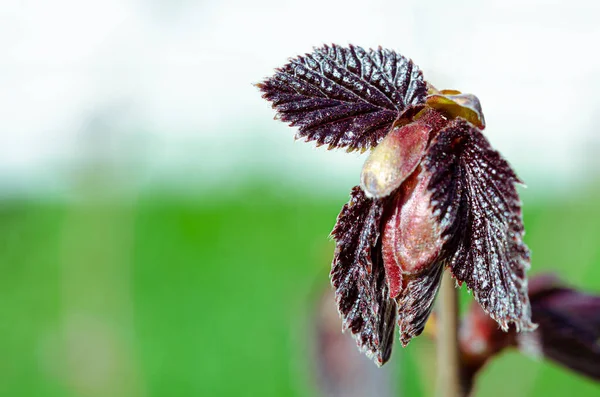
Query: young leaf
pixel 358 276
pixel 416 301
pixel 473 188
pixel 345 97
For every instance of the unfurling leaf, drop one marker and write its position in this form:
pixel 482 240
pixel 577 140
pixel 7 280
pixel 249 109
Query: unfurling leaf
pixel 358 277
pixel 416 301
pixel 412 234
pixel 345 97
pixel 477 202
pixel 411 245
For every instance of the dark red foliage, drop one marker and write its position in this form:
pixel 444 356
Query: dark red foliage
pixel 416 301
pixel 433 193
pixel 345 97
pixel 358 276
pixel 479 209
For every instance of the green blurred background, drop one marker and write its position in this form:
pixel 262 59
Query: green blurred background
pixel 158 295
pixel 161 235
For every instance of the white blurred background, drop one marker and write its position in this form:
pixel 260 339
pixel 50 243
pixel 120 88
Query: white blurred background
pixel 162 90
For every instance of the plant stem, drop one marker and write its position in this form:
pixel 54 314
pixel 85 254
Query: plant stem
pixel 448 373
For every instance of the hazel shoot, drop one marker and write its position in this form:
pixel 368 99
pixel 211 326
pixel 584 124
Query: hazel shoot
pixel 433 194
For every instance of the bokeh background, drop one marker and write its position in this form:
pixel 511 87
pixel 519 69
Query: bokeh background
pixel 162 235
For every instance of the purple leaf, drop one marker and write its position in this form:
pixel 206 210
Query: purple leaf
pixel 345 97
pixel 416 301
pixel 473 188
pixel 358 276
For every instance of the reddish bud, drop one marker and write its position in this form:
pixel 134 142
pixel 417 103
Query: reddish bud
pixel 412 234
pixel 394 159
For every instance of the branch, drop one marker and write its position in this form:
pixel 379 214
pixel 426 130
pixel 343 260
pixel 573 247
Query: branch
pixel 448 376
